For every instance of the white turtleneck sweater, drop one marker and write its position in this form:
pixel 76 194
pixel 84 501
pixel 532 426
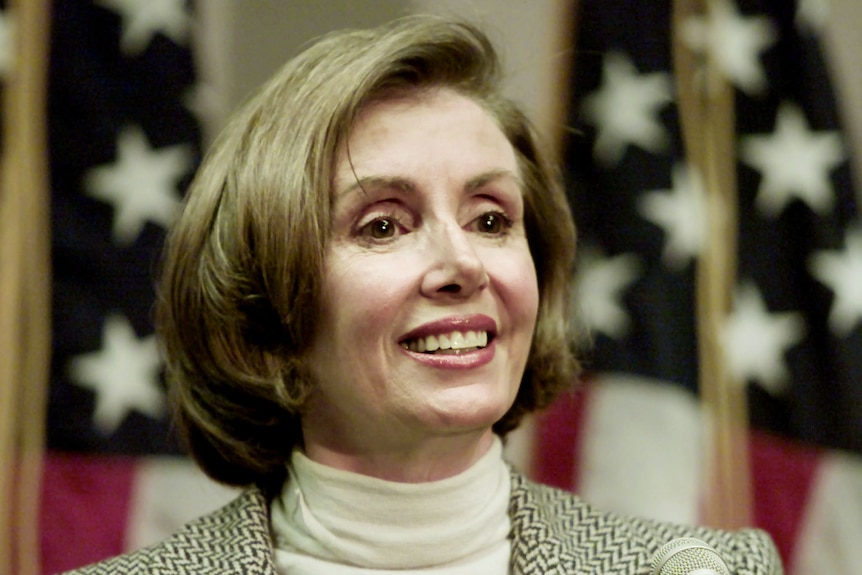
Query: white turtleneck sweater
pixel 330 521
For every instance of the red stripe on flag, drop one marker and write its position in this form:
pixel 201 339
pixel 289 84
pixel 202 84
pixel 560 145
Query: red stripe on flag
pixel 783 473
pixel 84 509
pixel 558 433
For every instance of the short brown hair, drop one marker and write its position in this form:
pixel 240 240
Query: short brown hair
pixel 240 280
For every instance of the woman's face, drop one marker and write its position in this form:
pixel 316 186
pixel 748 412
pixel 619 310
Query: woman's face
pixel 429 295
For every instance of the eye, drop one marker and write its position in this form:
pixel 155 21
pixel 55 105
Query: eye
pixel 492 223
pixel 380 228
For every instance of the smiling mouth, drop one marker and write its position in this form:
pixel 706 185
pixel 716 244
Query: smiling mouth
pixel 452 343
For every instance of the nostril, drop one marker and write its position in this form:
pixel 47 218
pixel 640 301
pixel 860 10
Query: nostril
pixel 451 288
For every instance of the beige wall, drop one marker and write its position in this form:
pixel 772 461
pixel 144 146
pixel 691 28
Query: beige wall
pixel 244 41
pixel 843 43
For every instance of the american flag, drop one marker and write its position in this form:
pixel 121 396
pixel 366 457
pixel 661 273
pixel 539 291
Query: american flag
pixel 633 438
pixel 124 143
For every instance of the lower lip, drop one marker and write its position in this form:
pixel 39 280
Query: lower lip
pixel 469 360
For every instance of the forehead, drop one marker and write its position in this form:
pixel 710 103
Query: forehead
pixel 415 134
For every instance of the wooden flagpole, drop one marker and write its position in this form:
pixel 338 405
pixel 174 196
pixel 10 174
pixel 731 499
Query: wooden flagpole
pixel 707 116
pixel 25 297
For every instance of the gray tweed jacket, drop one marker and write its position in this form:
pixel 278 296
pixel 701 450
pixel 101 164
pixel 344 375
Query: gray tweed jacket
pixel 553 533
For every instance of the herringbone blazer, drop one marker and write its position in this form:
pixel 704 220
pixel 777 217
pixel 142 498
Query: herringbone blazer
pixel 553 533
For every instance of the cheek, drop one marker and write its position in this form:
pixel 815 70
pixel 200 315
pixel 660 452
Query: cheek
pixel 362 295
pixel 515 276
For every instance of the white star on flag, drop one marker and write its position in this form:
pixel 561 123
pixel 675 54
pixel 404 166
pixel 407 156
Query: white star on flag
pixel 756 340
pixel 141 184
pixel 625 109
pixel 682 213
pixel 142 19
pixel 599 285
pixel 793 162
pixel 7 44
pixel 842 273
pixel 812 15
pixel 124 375
pixel 733 41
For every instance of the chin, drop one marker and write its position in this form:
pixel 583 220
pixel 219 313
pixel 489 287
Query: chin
pixel 473 416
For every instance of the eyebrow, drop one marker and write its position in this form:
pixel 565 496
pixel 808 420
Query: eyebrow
pixel 406 185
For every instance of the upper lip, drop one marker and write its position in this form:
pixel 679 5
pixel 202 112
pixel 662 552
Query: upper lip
pixel 473 322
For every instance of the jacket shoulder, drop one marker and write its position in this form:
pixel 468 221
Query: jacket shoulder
pixel 233 539
pixel 564 534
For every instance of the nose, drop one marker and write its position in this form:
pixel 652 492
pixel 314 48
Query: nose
pixel 455 268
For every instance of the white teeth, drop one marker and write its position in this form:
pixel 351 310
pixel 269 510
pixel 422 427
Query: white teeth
pixel 455 340
pixel 483 339
pixel 445 342
pixel 458 341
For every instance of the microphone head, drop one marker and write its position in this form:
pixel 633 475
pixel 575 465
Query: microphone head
pixel 688 556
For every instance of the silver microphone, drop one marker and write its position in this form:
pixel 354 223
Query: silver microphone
pixel 688 556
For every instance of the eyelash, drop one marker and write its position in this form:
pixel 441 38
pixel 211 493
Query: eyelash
pixel 367 230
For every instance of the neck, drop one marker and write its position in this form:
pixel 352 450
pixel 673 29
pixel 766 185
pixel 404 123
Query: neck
pixel 432 459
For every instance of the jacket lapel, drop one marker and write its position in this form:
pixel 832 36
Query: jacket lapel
pixel 536 549
pixel 556 533
pixel 235 539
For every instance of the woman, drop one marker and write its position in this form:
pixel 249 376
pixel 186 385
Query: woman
pixel 366 290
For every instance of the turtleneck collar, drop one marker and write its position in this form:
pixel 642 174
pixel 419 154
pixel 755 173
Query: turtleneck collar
pixel 356 520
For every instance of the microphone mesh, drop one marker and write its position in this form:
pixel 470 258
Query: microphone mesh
pixel 688 556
